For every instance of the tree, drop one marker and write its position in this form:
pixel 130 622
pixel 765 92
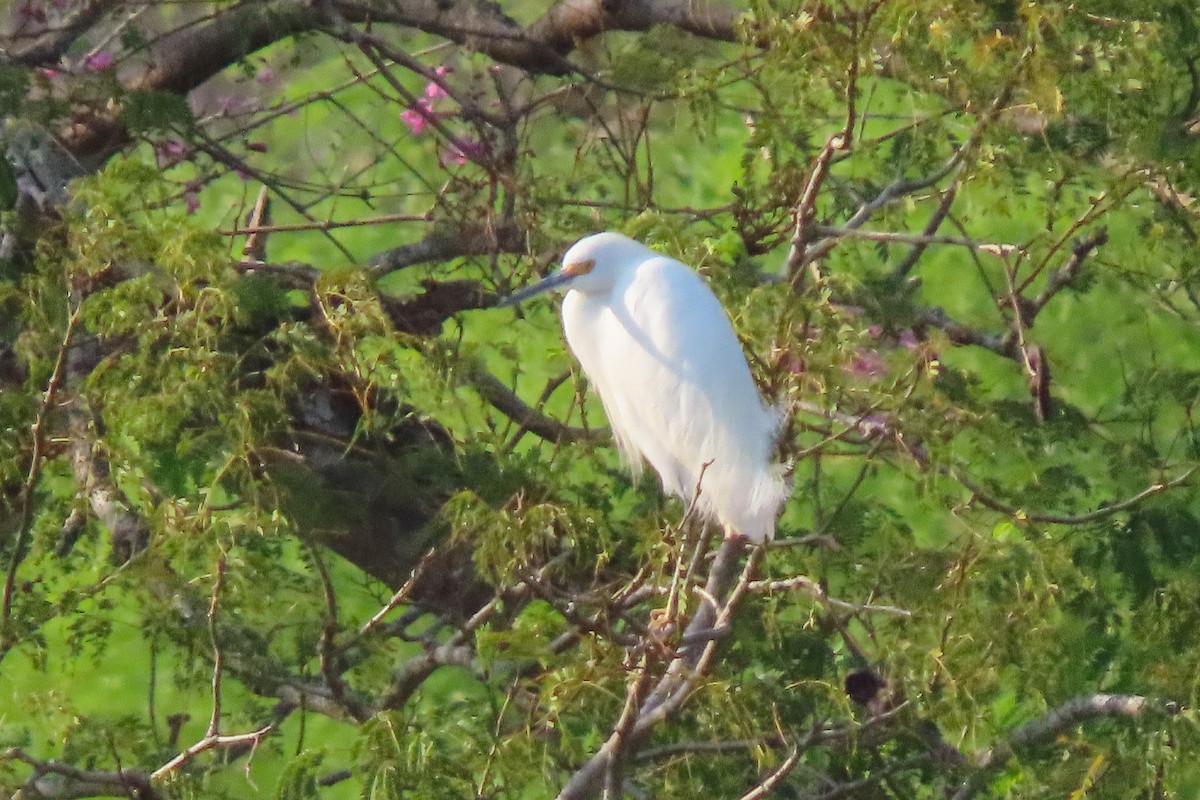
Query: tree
pixel 288 508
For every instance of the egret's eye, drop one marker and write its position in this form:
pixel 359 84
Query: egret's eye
pixel 577 268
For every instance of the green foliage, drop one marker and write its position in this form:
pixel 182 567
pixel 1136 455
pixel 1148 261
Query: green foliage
pixel 154 112
pixel 296 446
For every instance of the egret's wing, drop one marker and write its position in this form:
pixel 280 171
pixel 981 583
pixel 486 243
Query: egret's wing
pixel 692 395
pixel 587 325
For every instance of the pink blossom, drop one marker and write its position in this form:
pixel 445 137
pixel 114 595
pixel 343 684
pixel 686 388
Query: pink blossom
pixel 98 61
pixel 434 92
pixel 442 72
pixel 169 153
pixel 192 200
pixel 908 339
pixel 417 117
pixel 50 73
pixel 866 364
pixel 875 330
pixel 264 75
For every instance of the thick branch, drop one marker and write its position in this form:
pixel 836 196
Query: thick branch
pixel 191 56
pixel 445 243
pixel 689 666
pixel 423 314
pixel 128 532
pixel 48 48
pixel 1056 722
pixel 570 21
pixel 53 779
pixel 507 402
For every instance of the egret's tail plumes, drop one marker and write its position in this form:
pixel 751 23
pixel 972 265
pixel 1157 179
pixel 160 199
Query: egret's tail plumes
pixel 742 488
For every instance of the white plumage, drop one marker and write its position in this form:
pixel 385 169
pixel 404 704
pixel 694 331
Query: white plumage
pixel 658 347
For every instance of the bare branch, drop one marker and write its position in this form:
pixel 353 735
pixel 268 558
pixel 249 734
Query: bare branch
pixel 1056 722
pixel 507 402
pixel 686 669
pixel 214 605
pixel 903 187
pixel 210 743
pixel 959 333
pixel 931 227
pixel 128 531
pixel 773 778
pixel 446 242
pixel 819 594
pixel 54 780
pixel 570 21
pixel 895 237
pixel 1060 519
pixel 1066 274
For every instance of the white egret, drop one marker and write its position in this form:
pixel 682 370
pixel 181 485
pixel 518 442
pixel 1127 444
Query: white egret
pixel 657 345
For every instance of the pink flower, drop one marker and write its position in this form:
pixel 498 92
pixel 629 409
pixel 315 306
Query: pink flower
pixel 192 200
pixel 169 153
pixel 50 73
pixel 908 339
pixel 434 92
pixel 417 117
pixel 866 364
pixel 98 61
pixel 441 72
pixel 264 75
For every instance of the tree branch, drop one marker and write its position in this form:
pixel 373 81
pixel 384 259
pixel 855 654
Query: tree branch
pixel 1062 519
pixel 1053 724
pixel 33 476
pixel 686 669
pixel 446 242
pixel 507 402
pixel 54 780
pixel 50 45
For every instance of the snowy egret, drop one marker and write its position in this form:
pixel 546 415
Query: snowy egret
pixel 657 345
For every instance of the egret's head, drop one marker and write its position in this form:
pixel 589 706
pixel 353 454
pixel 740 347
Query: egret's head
pixel 591 265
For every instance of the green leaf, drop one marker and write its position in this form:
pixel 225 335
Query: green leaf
pixel 156 111
pixel 14 85
pixel 8 186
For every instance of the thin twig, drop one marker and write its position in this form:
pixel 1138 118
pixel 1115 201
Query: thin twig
pixel 36 462
pixel 897 237
pixel 214 604
pixel 773 778
pixel 1058 519
pixel 210 743
pixel 818 593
